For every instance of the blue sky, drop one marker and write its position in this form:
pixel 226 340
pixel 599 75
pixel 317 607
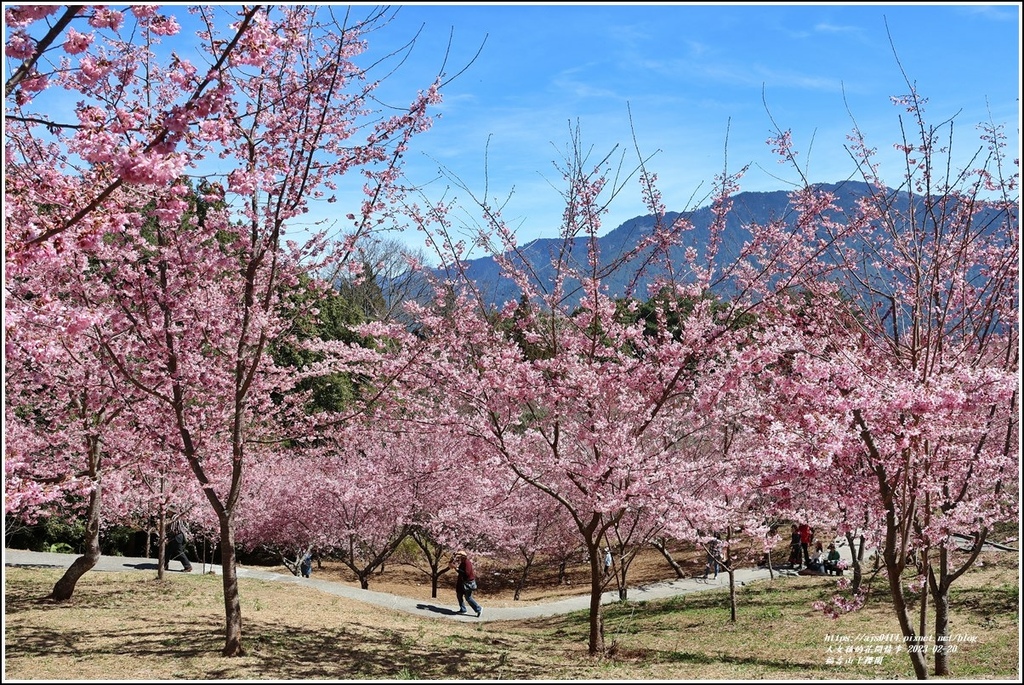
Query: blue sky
pixel 693 76
pixel 701 83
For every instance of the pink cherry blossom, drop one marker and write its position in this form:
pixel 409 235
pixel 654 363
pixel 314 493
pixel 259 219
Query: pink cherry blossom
pixel 20 45
pixel 76 42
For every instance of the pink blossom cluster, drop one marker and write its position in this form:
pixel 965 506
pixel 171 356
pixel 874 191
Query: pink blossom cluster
pixel 839 605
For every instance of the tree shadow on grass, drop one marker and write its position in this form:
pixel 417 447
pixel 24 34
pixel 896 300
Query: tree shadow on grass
pixel 746 597
pixel 317 654
pixel 756 664
pixel 343 654
pixel 986 602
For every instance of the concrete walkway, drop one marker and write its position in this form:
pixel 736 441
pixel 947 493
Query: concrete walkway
pixel 438 607
pixel 431 608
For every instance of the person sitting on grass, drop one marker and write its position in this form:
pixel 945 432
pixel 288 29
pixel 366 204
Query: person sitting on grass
pixel 832 566
pixel 817 562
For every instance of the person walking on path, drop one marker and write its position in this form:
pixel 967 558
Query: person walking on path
pixel 607 561
pixel 465 583
pixel 177 537
pixel 714 560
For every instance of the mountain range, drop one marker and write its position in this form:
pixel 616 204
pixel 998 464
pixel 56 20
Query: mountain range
pixel 759 207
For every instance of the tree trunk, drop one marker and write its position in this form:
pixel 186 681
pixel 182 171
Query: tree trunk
pixel 432 552
pixel 292 566
pixel 727 563
pixel 914 646
pixel 942 645
pixel 622 571
pixel 659 544
pixel 856 552
pixel 732 593
pixel 232 601
pixel 768 561
pixel 596 644
pixel 161 550
pixel 939 584
pixel 65 586
pixel 522 577
pixel 364 572
pixel 620 580
pixel 922 567
pixel 436 570
pixel 435 576
pixel 894 561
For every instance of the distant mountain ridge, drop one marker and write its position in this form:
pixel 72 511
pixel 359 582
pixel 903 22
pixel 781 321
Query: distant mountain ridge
pixel 748 207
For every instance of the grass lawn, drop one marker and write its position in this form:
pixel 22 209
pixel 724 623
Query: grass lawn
pixel 130 626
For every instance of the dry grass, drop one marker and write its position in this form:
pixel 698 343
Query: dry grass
pixel 130 626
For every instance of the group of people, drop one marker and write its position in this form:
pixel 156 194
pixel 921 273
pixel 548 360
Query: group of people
pixel 821 562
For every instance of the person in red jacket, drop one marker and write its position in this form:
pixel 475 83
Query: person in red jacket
pixel 466 581
pixel 806 535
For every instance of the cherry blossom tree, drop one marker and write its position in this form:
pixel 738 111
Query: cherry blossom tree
pixel 56 451
pixel 74 439
pixel 434 555
pixel 143 494
pixel 727 501
pixel 460 505
pixel 359 489
pixel 361 494
pixel 69 416
pixel 452 503
pixel 904 360
pixel 531 527
pixel 193 278
pixel 571 392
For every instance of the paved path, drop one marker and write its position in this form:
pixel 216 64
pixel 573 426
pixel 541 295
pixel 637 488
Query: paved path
pixel 433 607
